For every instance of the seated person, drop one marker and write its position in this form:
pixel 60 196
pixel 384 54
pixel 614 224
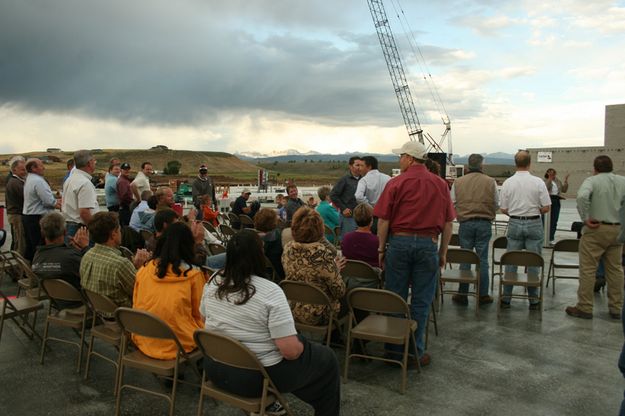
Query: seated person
pixel 281 206
pixel 136 222
pixel 170 287
pixel 328 213
pixel 103 269
pixel 240 205
pixel 307 258
pixel 55 260
pixel 253 310
pixel 266 222
pixel 362 244
pixel 208 214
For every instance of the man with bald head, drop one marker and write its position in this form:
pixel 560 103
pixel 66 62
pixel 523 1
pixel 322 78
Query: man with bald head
pixel 524 198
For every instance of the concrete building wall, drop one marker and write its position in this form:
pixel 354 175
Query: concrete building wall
pixel 615 125
pixel 578 161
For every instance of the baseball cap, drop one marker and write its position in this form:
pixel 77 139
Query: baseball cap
pixel 414 149
pixel 246 191
pixel 203 168
pixel 125 166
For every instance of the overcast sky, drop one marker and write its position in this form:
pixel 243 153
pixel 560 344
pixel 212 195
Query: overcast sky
pixel 270 75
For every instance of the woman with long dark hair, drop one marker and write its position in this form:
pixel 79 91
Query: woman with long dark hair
pixel 246 306
pixel 170 287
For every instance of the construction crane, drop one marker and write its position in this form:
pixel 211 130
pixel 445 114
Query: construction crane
pixel 400 83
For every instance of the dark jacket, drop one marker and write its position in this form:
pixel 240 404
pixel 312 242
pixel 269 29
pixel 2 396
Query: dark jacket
pixel 201 187
pixel 124 193
pixel 14 195
pixel 342 194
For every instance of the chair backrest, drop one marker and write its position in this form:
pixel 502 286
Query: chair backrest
pixel 6 303
pixel 58 289
pixel 27 271
pixel 522 258
pixel 570 245
pixel 126 252
pixel 233 218
pixel 227 350
pixel 454 240
pixel 377 300
pixel 500 242
pixel 304 293
pixel 328 230
pixel 100 304
pixel 462 255
pixel 226 231
pixel 209 227
pixel 147 235
pixel 246 220
pixel 144 323
pixel 360 269
pixel 215 248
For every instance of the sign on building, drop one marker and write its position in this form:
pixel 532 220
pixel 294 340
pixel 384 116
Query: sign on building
pixel 544 157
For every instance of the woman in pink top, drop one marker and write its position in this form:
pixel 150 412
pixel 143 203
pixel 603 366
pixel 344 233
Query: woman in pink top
pixel 362 244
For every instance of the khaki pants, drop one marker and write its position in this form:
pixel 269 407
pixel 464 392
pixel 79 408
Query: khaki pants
pixel 17 233
pixel 594 244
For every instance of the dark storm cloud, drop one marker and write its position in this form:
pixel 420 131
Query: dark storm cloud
pixel 158 62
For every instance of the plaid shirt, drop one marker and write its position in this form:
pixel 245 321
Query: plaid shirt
pixel 105 271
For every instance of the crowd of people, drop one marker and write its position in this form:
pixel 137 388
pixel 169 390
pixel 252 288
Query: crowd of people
pixel 401 226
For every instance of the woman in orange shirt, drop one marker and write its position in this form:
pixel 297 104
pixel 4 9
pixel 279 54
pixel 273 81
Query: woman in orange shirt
pixel 170 287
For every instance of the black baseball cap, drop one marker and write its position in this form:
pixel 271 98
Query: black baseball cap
pixel 125 166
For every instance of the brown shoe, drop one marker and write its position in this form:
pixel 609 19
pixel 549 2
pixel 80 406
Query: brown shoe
pixel 485 300
pixel 425 359
pixel 573 311
pixel 460 300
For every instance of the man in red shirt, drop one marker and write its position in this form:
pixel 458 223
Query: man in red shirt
pixel 414 209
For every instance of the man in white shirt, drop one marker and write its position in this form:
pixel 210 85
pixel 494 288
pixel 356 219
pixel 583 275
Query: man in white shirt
pixel 371 185
pixel 524 198
pixel 142 181
pixel 80 201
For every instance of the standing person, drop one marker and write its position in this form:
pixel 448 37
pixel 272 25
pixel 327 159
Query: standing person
pixel 599 200
pixel 15 205
pixel 110 188
pixel 413 210
pixel 38 201
pixel 342 195
pixel 328 213
pixel 476 201
pixel 80 201
pixel 371 185
pixel 555 187
pixel 524 198
pixel 70 169
pixel 142 181
pixel 253 310
pixel 293 202
pixel 203 185
pixel 124 194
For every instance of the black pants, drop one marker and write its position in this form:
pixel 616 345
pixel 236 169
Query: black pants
pixel 113 208
pixel 124 215
pixel 32 233
pixel 313 377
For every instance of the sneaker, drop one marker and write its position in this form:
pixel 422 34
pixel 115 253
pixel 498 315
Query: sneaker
pixel 425 359
pixel 573 311
pixel 274 409
pixel 460 300
pixel 552 243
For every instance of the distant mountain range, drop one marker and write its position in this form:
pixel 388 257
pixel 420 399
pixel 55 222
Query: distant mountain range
pixel 498 158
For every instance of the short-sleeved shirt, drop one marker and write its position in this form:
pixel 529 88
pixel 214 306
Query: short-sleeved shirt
pixel 238 206
pixel 264 317
pixel 416 201
pixel 104 270
pixel 142 182
pixel 523 195
pixel 78 193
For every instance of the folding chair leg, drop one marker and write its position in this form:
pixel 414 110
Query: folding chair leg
pixel 201 403
pixel 44 341
pixel 89 351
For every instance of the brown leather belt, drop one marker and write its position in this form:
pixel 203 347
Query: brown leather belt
pixel 423 235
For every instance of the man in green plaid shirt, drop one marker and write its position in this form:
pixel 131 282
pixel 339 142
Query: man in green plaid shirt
pixel 103 269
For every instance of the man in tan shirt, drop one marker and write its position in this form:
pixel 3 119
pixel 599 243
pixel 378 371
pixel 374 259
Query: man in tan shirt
pixel 476 201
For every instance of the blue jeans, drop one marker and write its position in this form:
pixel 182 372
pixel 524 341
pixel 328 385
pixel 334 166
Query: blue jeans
pixel 475 234
pixel 528 235
pixel 413 261
pixel 216 262
pixel 348 224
